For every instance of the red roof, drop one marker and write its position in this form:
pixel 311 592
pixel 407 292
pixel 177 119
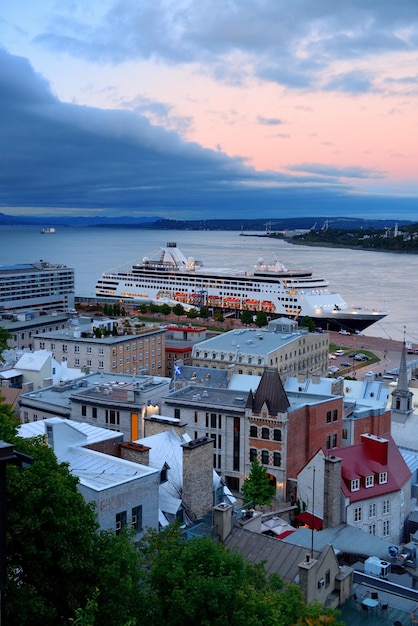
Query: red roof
pixel 361 459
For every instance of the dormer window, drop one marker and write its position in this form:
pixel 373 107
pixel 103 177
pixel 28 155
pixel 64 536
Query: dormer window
pixel 164 473
pixel 383 478
pixel 369 481
pixel 355 484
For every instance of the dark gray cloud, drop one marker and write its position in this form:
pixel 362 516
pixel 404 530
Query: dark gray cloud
pixel 288 42
pixel 61 155
pixel 323 169
pixel 353 83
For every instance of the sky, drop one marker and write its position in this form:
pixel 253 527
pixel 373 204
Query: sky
pixel 189 109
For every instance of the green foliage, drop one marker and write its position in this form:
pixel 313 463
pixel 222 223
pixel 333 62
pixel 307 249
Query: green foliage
pixel 261 319
pixel 256 486
pixel 192 314
pixel 4 337
pixel 165 309
pixel 143 308
pixel 218 316
pixel 9 423
pixel 204 312
pixel 178 309
pixel 199 582
pixel 246 318
pixel 308 323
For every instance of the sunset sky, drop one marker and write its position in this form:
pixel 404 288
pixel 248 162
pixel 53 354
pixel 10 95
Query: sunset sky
pixel 191 108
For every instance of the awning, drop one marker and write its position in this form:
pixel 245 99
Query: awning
pixel 310 520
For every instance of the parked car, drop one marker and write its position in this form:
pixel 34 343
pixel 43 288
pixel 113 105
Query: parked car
pixel 333 369
pixel 345 364
pixel 332 356
pixel 343 332
pixel 352 355
pixel 339 353
pixel 361 357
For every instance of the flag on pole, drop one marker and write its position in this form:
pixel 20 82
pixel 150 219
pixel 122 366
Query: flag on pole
pixel 177 369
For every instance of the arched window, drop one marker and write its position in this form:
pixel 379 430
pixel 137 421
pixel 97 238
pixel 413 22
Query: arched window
pixel 253 431
pixel 253 454
pixel 265 457
pixel 265 433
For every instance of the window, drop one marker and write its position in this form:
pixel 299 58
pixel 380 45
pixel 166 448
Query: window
pixel 327 578
pixel 386 528
pixel 369 481
pixel 164 474
pixel 83 410
pixel 94 412
pixel 177 414
pixel 253 431
pixel 372 529
pixel 76 361
pixel 120 521
pixel 372 510
pixel 196 416
pixel 328 417
pixel 334 441
pixel 253 454
pixel 52 346
pixel 277 459
pixel 265 433
pixel 264 457
pixel 277 434
pixel 76 349
pixel 65 347
pixel 328 442
pixel 335 415
pixel 345 433
pixel 357 514
pixel 386 507
pixel 137 518
pixel 101 364
pixel 383 478
pixel 112 417
pixel 213 420
pixel 88 362
pixel 355 484
pixel 88 349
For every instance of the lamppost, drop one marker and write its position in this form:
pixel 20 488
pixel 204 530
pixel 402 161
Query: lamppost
pixel 7 455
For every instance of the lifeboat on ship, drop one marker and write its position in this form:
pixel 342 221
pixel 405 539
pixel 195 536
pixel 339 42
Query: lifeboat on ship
pixel 268 306
pixel 251 305
pixel 180 296
pixel 214 300
pixel 232 302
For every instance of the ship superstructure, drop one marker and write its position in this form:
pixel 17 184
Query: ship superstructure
pixel 169 276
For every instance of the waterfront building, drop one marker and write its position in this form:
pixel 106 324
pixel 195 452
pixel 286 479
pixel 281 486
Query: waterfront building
pixel 24 326
pixel 284 345
pixel 179 342
pixel 95 348
pixel 40 285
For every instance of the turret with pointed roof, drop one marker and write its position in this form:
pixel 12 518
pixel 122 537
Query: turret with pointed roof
pixel 270 392
pixel 402 397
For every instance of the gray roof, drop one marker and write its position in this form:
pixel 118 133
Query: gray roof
pixel 280 558
pixel 344 538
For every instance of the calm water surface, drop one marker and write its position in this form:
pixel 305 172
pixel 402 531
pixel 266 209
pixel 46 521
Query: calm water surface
pixel 369 279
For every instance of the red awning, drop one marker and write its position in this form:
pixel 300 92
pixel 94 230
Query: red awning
pixel 310 520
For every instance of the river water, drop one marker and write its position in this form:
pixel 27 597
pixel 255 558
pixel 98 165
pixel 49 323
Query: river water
pixel 375 280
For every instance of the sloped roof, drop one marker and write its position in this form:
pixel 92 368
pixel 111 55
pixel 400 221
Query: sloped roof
pixel 33 361
pixel 280 558
pixel 271 392
pixel 359 460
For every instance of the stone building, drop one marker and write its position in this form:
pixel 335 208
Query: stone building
pixel 290 349
pixel 116 354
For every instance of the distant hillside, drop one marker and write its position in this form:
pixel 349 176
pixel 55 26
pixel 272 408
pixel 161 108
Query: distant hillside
pixel 266 224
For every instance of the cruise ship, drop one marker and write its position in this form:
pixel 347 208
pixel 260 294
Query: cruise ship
pixel 168 276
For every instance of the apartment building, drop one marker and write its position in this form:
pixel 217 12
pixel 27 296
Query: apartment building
pixel 39 285
pixel 143 351
pixel 290 349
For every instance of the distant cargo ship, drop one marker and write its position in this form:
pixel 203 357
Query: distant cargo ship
pixel 168 276
pixel 48 231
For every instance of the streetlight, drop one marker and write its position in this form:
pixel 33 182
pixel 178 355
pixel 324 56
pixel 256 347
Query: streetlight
pixel 7 455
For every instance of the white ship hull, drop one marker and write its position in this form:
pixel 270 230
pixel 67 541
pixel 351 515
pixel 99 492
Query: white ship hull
pixel 274 289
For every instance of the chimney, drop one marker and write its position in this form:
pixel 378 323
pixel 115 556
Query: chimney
pixel 377 448
pixel 222 520
pixel 332 491
pixel 198 476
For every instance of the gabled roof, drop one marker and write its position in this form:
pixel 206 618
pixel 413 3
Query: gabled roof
pixel 364 459
pixel 271 392
pixel 279 557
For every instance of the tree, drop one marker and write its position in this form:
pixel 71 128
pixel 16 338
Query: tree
pixel 143 308
pixel 178 309
pixel 4 337
pixel 308 323
pixel 257 487
pixel 261 319
pixel 165 309
pixel 192 314
pixel 246 318
pixel 204 312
